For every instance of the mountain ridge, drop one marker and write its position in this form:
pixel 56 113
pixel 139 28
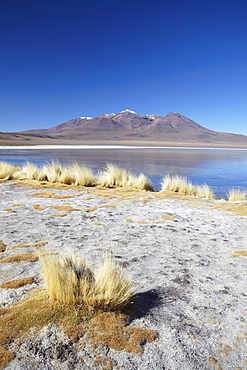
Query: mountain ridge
pixel 130 126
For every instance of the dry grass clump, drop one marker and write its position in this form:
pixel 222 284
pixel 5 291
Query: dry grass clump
pixel 14 284
pixel 83 175
pixel 70 175
pixel 27 257
pixel 115 176
pixel 178 184
pixel 66 177
pixel 7 171
pixel 75 174
pixel 204 191
pixel 181 184
pixel 69 280
pixel 236 195
pixel 29 171
pixel 141 182
pixel 50 172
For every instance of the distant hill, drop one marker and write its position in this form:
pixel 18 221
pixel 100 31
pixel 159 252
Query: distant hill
pixel 128 126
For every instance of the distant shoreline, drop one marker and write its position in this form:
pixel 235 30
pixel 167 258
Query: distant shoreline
pixel 105 147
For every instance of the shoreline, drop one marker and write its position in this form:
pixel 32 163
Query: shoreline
pixel 112 147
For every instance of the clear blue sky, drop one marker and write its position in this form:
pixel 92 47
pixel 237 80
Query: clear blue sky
pixel 62 59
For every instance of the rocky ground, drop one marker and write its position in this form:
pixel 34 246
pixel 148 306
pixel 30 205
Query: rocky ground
pixel 187 260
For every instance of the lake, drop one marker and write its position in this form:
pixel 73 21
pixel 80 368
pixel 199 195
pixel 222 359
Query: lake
pixel 221 169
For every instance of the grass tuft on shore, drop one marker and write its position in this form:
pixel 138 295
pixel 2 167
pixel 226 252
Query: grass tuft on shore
pixel 29 171
pixel 180 184
pixel 70 281
pixel 236 195
pixel 7 171
pixel 116 176
pixel 77 175
pixel 83 175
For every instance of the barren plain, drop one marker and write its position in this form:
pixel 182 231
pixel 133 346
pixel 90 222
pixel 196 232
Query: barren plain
pixel 187 259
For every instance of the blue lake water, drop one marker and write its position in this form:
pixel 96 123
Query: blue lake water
pixel 221 169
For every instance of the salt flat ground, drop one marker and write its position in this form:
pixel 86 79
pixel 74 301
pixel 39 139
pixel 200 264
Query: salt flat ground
pixel 179 254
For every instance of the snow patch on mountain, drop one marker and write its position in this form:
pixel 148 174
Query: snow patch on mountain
pixel 128 111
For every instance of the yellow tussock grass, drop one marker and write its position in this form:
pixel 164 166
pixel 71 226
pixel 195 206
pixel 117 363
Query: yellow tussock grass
pixel 239 253
pixel 50 172
pixel 83 176
pixel 18 205
pixel 27 257
pixel 180 184
pixel 66 176
pixel 69 280
pixel 73 174
pixel 236 195
pixel 29 171
pixel 38 244
pixel 115 176
pixel 141 182
pixel 177 184
pixel 204 191
pixel 14 284
pixel 2 247
pixel 7 171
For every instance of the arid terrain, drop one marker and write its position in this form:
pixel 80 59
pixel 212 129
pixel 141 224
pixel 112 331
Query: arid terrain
pixel 186 257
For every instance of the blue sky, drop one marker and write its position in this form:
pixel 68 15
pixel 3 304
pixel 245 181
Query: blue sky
pixel 62 59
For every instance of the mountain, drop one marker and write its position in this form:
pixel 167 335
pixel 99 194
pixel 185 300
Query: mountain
pixel 128 126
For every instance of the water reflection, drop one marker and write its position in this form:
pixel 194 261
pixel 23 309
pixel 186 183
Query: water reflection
pixel 221 169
